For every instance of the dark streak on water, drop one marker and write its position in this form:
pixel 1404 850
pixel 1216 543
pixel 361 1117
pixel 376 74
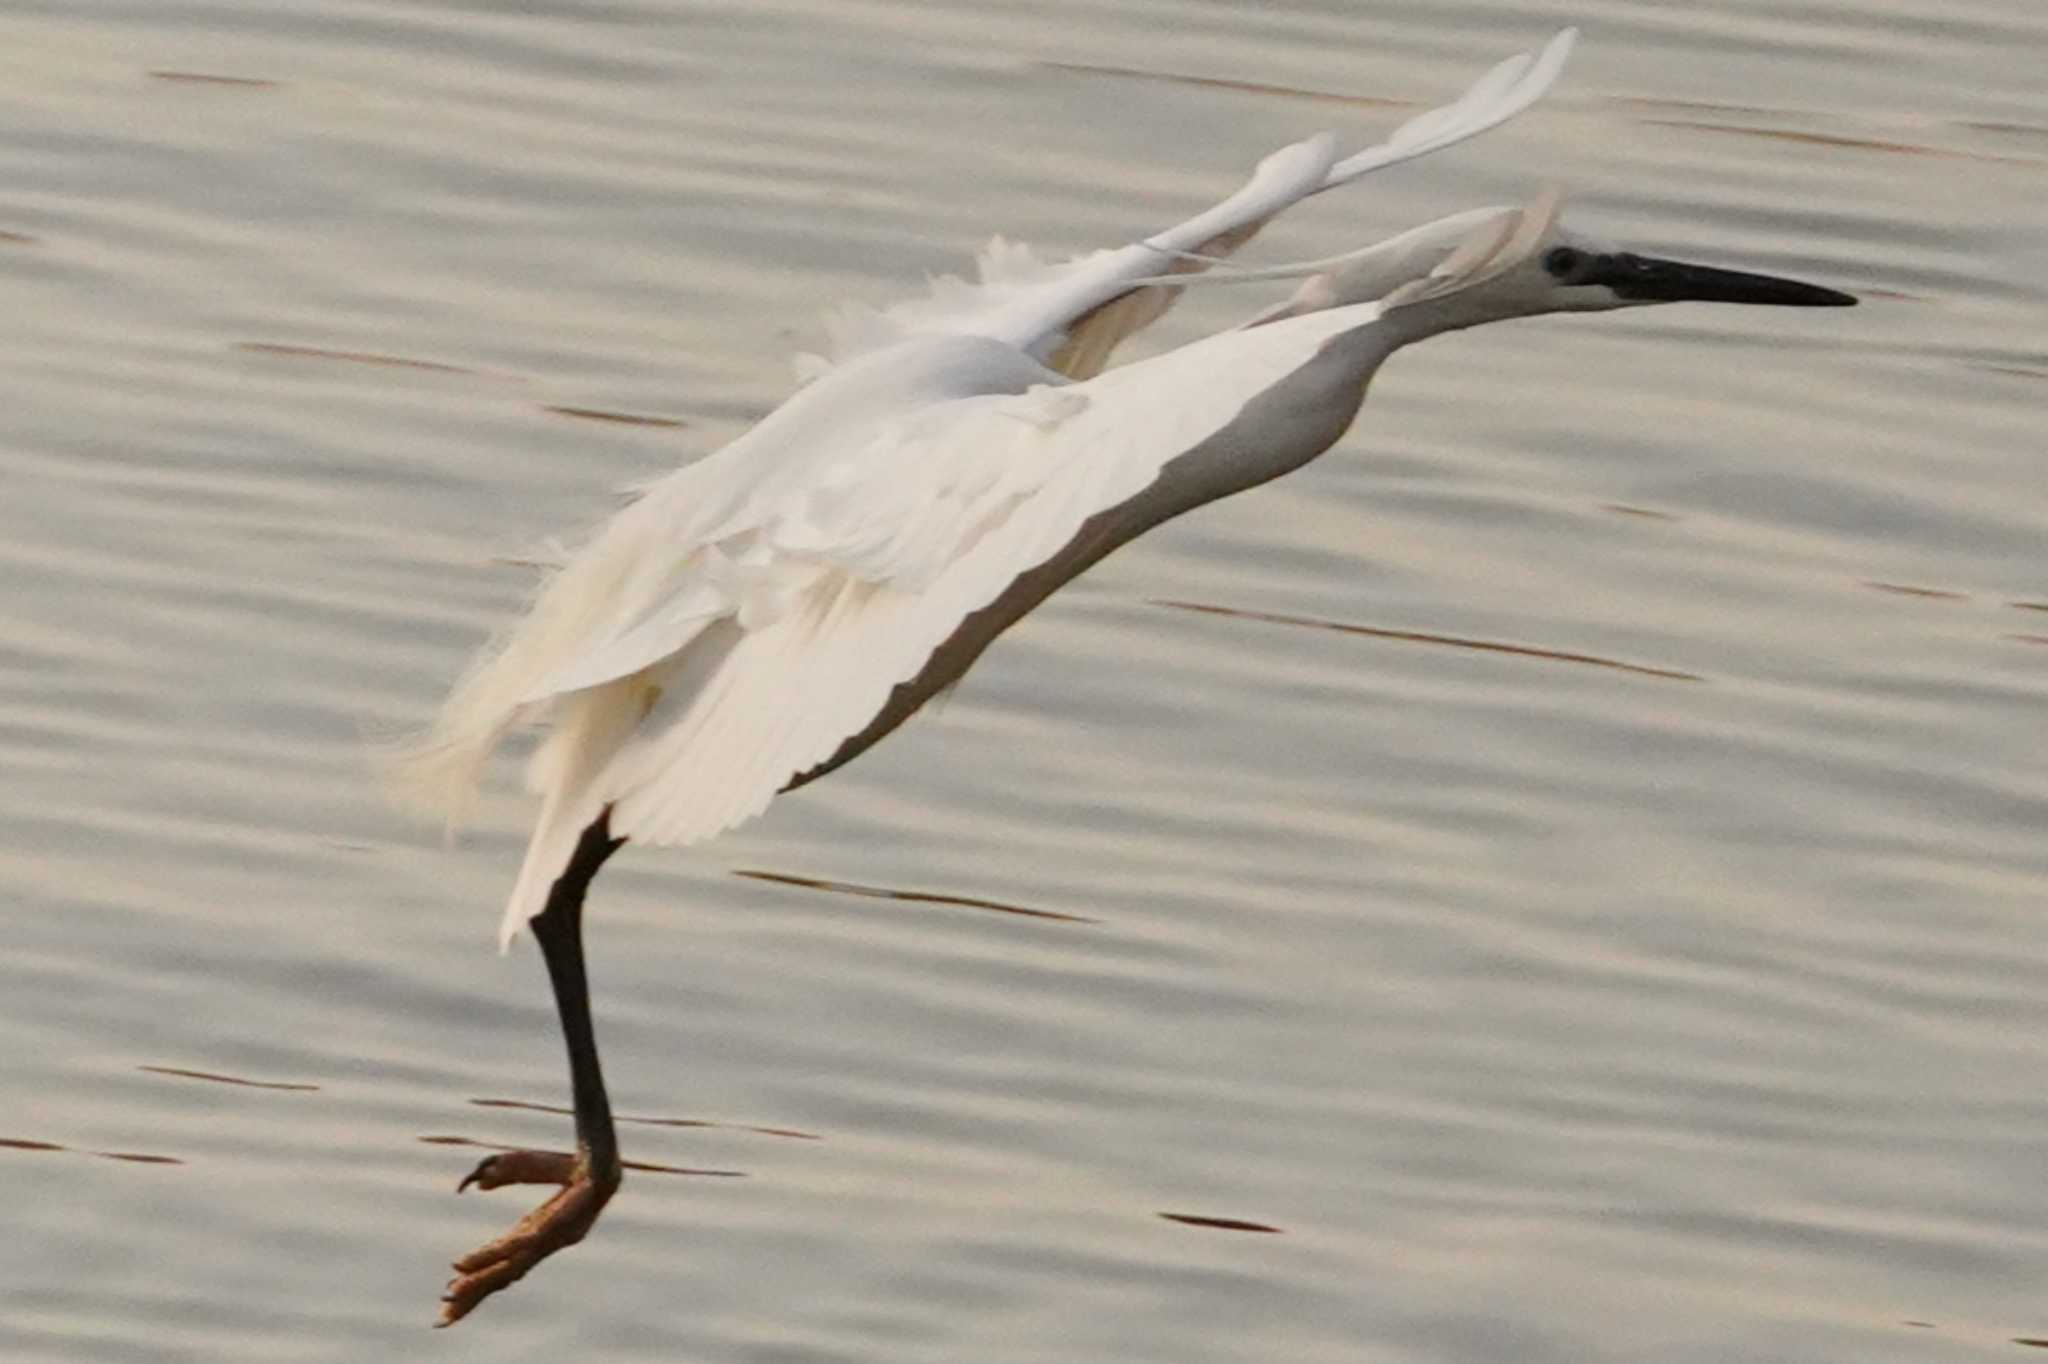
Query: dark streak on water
pixel 1423 637
pixel 2021 129
pixel 647 1166
pixel 1219 83
pixel 181 1073
pixel 916 897
pixel 363 357
pixel 526 1106
pixel 1909 590
pixel 205 78
pixel 1219 1223
pixel 1837 140
pixel 600 415
pixel 1695 106
pixel 132 1157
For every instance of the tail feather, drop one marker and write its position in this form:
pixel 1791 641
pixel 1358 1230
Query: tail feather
pixel 603 593
pixel 436 775
pixel 600 597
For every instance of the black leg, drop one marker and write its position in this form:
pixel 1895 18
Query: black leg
pixel 559 931
pixel 588 1178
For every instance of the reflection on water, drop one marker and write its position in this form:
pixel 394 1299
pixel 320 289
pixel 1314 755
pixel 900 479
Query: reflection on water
pixel 1519 996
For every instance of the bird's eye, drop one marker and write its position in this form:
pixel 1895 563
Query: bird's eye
pixel 1561 261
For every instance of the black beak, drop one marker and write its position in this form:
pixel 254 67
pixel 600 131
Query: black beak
pixel 1650 280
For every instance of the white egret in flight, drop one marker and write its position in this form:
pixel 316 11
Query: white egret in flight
pixel 762 616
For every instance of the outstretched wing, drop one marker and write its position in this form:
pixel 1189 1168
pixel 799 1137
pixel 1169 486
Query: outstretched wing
pixel 793 625
pixel 1074 313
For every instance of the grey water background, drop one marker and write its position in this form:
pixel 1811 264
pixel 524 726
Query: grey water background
pixel 1544 1010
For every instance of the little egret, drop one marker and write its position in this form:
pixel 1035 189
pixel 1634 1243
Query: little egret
pixel 764 615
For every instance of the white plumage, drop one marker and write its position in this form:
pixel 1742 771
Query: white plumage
pixel 742 619
pixel 726 649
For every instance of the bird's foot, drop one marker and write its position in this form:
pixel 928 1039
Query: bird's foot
pixel 555 1225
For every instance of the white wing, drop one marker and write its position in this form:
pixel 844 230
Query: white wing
pixel 862 575
pixel 1035 306
pixel 784 627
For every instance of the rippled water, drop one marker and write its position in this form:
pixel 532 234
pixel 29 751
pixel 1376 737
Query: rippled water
pixel 1558 880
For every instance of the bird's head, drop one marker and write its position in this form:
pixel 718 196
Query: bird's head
pixel 1572 272
pixel 1491 264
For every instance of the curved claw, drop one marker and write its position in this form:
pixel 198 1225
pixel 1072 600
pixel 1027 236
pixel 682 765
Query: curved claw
pixel 560 1222
pixel 521 1167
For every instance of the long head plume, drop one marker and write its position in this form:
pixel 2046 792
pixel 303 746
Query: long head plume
pixel 1428 261
pixel 1494 263
pixel 1453 252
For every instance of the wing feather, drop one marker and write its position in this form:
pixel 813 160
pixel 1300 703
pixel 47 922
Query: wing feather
pixel 959 501
pixel 1063 311
pixel 998 498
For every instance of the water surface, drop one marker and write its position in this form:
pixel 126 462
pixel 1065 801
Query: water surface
pixel 1558 880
